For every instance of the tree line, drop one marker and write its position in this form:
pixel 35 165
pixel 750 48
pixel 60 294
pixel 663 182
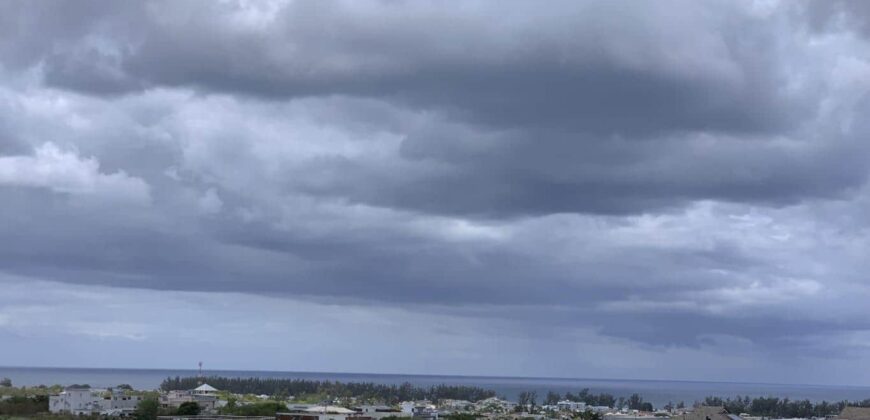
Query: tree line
pixel 771 407
pixel 280 387
pixel 633 402
pixel 782 407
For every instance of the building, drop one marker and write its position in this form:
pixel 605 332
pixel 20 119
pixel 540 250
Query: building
pixel 75 400
pixel 82 400
pixel 854 413
pixel 495 405
pixel 706 412
pixel 173 399
pixel 461 405
pixel 567 405
pixel 205 389
pixel 378 411
pixel 321 412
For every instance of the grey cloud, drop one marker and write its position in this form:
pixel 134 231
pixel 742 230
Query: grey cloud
pixel 631 171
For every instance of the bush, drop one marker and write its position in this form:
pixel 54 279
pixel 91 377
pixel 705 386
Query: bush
pixel 189 408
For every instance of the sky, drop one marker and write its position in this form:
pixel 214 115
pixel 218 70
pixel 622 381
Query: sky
pixel 607 189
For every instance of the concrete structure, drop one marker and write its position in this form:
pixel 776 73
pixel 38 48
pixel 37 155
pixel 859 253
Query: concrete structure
pixel 495 405
pixel 79 400
pixel 567 405
pixel 320 412
pixel 854 413
pixel 706 412
pixel 378 411
pixel 205 389
pixel 75 400
pixel 216 417
pixel 456 404
pixel 174 399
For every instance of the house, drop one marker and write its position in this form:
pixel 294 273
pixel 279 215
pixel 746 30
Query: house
pixel 378 411
pixel 322 412
pixel 567 405
pixel 75 400
pixel 205 389
pixel 706 412
pixel 84 400
pixel 854 413
pixel 455 404
pixel 118 403
pixel 173 399
pixel 423 409
pixel 495 404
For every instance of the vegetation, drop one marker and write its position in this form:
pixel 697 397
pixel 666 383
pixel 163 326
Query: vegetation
pixel 526 399
pixel 148 409
pixel 365 391
pixel 590 399
pixel 6 382
pixel 24 406
pixel 31 391
pixel 782 407
pixel 589 415
pixel 188 408
pixel 461 416
pixel 263 408
pixel 771 407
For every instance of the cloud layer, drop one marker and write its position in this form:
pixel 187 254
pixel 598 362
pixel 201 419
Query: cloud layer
pixel 653 181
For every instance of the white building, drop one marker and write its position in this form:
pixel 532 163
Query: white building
pixel 174 399
pixel 566 405
pixel 320 412
pixel 75 400
pixel 205 389
pixel 378 411
pixel 78 400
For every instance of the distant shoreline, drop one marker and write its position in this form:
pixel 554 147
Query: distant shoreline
pixel 281 373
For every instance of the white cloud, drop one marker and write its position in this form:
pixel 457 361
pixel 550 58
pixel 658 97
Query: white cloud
pixel 210 202
pixel 65 172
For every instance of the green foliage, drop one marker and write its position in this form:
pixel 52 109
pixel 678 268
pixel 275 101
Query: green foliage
pixel 782 407
pixel 265 408
pixel 636 402
pixel 188 408
pixel 148 409
pixel 390 394
pixel 589 415
pixel 552 398
pixel 24 406
pixel 592 399
pixel 461 416
pixel 33 391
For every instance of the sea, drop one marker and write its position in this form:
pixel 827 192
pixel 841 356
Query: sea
pixel 658 392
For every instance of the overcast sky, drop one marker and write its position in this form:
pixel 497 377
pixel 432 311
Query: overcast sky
pixel 673 190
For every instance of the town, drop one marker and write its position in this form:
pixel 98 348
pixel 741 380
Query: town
pixel 207 402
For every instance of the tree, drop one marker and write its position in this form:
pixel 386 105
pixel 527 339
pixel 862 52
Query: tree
pixel 522 400
pixel 188 408
pixel 552 398
pixel 6 382
pixel 461 416
pixel 589 415
pixel 147 409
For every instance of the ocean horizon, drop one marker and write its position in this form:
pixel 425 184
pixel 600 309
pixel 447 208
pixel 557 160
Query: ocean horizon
pixel 657 391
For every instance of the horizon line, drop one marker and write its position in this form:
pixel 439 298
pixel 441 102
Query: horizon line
pixel 431 375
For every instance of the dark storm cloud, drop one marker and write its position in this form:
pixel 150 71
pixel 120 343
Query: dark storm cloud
pixel 661 175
